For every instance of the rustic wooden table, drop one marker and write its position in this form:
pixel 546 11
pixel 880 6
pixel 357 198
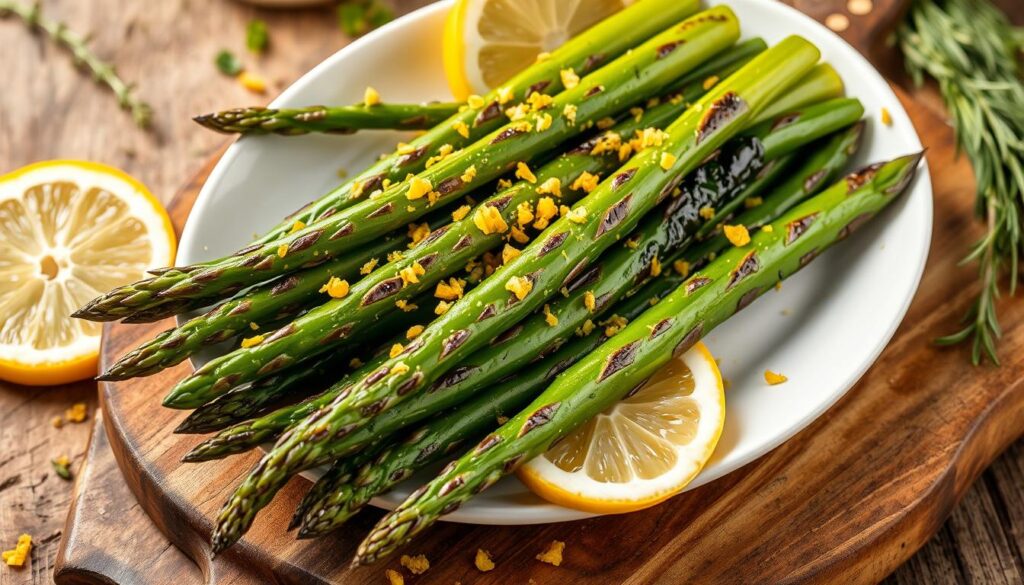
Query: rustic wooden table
pixel 49 110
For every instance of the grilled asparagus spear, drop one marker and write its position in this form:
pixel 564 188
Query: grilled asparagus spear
pixel 609 212
pixel 705 300
pixel 546 124
pixel 332 120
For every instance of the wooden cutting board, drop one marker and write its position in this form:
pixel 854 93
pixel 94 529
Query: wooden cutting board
pixel 846 500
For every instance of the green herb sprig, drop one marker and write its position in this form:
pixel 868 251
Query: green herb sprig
pixel 103 72
pixel 972 51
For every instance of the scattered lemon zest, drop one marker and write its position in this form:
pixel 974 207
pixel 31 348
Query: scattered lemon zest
pixel 411 274
pixel 614 324
pixel 414 332
pixel 737 235
pixel 682 267
pixel 298 225
pixel 282 250
pixel 17 556
pixel 519 286
pixel 335 287
pixel 489 220
pixel 368 267
pixel 886 117
pixel 483 561
pixel 394 577
pixel 767 228
pixel 469 174
pixel 405 305
pixel 396 350
pixel 552 186
pixel 707 212
pixel 523 172
pixel 57 422
pixel 553 555
pixel 550 318
pixel 589 301
pixel 462 128
pixel 569 111
pixel 546 210
pixel 418 233
pixel 524 213
pixel 417 565
pixel 77 413
pixel 252 341
pixel 710 82
pixel 578 215
pixel 508 254
pixel 774 378
pixel 655 266
pixel 442 308
pixel 505 95
pixel 418 187
pixel 504 184
pixel 399 369
pixel 519 236
pixel 371 97
pixel 667 160
pixel 586 329
pixel 451 290
pixel 586 181
pixel 476 102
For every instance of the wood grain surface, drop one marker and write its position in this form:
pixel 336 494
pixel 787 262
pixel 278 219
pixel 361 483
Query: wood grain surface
pixel 55 112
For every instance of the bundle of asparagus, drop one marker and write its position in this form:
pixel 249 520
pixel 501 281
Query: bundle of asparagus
pixel 533 212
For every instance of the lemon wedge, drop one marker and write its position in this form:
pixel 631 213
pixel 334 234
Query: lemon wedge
pixel 642 450
pixel 69 230
pixel 488 41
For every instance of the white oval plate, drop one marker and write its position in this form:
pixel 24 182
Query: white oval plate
pixel 822 330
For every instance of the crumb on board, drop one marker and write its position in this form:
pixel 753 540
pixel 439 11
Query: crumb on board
pixel 553 554
pixel 417 565
pixel 483 561
pixel 394 577
pixel 77 413
pixel 837 22
pixel 16 557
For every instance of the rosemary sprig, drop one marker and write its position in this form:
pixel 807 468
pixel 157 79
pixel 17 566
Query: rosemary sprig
pixel 77 45
pixel 971 50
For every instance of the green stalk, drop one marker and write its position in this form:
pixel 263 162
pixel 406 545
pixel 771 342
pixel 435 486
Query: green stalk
pixel 608 213
pixel 446 251
pixel 331 120
pixel 631 78
pixel 669 328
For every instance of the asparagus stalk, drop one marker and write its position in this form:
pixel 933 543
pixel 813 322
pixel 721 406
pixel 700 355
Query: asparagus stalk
pixel 275 300
pixel 297 382
pixel 597 222
pixel 620 272
pixel 716 179
pixel 601 378
pixel 628 79
pixel 823 164
pixel 583 54
pixel 441 254
pixel 332 120
pixel 352 482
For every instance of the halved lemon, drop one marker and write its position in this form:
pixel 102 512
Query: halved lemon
pixel 488 41
pixel 69 231
pixel 641 451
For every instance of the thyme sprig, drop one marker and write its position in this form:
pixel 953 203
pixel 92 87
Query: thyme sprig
pixel 972 52
pixel 83 56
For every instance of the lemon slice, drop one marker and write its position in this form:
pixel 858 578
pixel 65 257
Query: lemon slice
pixel 488 41
pixel 69 231
pixel 644 449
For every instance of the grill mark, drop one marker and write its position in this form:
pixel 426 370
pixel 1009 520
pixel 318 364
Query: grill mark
pixel 463 242
pixel 576 271
pixel 281 333
pixel 382 210
pixel 506 134
pixel 383 290
pixel 410 384
pixel 488 312
pixel 374 407
pixel 327 213
pixel 661 327
pixel 500 203
pixel 553 242
pixel 376 376
pixel 806 258
pixel 241 252
pixel 797 227
pixel 558 368
pixel 688 340
pixel 453 342
pixel 854 224
pixel 453 377
pixel 538 87
pixel 614 216
pixel 427 261
pixel 452 485
pixel 507 335
pixel 412 157
pixel 622 177
pixel 242 307
pixel 414 121
pixel 449 185
pixel 587 278
pixel 488 442
pixel 666 49
pixel 218 337
pixel 747 298
pixel 435 234
pixel 305 241
pixel 492 111
pixel 857 179
pixel 275 364
pixel 225 383
pixel 540 417
pixel 284 286
pixel 785 120
pixel 265 263
pixel 623 357
pixel 718 115
pixel 592 61
pixel 345 230
pixel 594 91
pixel 746 267
pixel 336 334
pixel 208 275
pixel 173 342
pixel 814 180
pixel 696 283
pixel 427 451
